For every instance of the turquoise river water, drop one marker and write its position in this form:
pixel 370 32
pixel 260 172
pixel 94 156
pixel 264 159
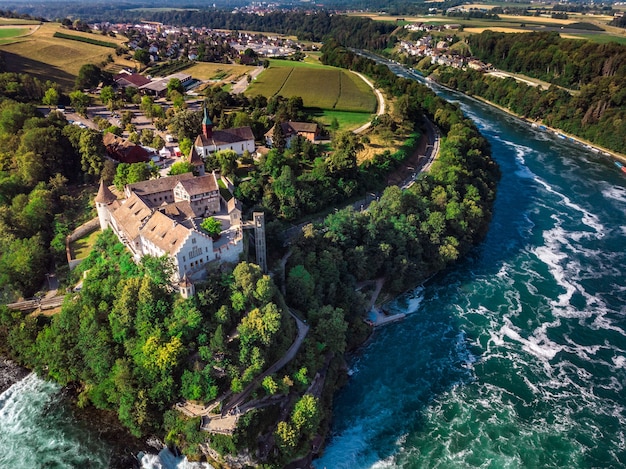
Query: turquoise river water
pixel 515 357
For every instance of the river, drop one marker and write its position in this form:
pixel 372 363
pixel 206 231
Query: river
pixel 515 357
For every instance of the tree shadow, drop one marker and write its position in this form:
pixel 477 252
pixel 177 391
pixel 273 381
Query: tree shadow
pixel 43 71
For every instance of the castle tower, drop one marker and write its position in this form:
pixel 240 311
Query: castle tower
pixel 259 239
pixel 186 287
pixel 207 125
pixel 103 200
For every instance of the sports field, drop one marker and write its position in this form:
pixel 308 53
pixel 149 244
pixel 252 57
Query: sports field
pixel 57 59
pixel 319 86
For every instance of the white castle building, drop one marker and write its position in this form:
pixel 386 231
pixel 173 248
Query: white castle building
pixel 163 216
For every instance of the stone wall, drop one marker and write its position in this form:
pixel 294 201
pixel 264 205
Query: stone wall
pixel 78 233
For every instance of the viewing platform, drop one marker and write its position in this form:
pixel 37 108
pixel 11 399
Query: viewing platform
pixel 379 317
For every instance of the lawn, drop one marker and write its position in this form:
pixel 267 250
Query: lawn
pixel 49 58
pixel 346 120
pixel 81 248
pixel 319 86
pixel 7 33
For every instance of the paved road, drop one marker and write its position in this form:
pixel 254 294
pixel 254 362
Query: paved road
pixel 242 84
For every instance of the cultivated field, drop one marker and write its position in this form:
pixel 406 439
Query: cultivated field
pixel 17 21
pixel 319 86
pixel 57 59
pixel 520 24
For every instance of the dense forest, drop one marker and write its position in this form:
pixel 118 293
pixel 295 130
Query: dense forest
pixel 596 111
pixel 349 30
pixel 43 162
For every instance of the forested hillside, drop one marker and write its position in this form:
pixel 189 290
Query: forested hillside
pixel 564 62
pixel 40 159
pixel 595 110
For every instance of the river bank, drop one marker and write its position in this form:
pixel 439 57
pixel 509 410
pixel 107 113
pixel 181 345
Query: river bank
pixel 540 126
pixel 104 424
pixel 10 373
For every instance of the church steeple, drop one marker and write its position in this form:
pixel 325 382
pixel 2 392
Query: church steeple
pixel 207 125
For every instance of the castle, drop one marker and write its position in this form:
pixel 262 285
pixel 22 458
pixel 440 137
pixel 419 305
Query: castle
pixel 162 217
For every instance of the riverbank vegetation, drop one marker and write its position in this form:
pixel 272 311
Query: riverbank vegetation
pixel 596 112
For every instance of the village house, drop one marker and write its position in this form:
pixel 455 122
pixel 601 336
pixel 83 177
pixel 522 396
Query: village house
pixel 308 130
pixel 123 150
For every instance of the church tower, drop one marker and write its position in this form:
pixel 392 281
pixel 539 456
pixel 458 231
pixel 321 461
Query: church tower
pixel 207 125
pixel 196 161
pixel 103 200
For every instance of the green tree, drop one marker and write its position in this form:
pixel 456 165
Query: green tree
pixel 212 226
pixel 228 161
pixel 79 101
pixel 185 146
pixel 92 152
pixel 286 437
pixel 89 76
pixel 306 414
pixel 175 85
pixel 181 167
pixel 142 56
pixel 51 98
pixel 269 385
pixel 186 123
pixel 107 96
pixel 300 286
pixel 279 141
pixel 157 142
pixel 146 106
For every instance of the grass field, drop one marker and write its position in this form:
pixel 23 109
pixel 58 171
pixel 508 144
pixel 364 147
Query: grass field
pixel 598 38
pixel 218 72
pixel 346 120
pixel 512 24
pixel 319 86
pixel 6 33
pixel 17 21
pixel 49 58
pixel 10 34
